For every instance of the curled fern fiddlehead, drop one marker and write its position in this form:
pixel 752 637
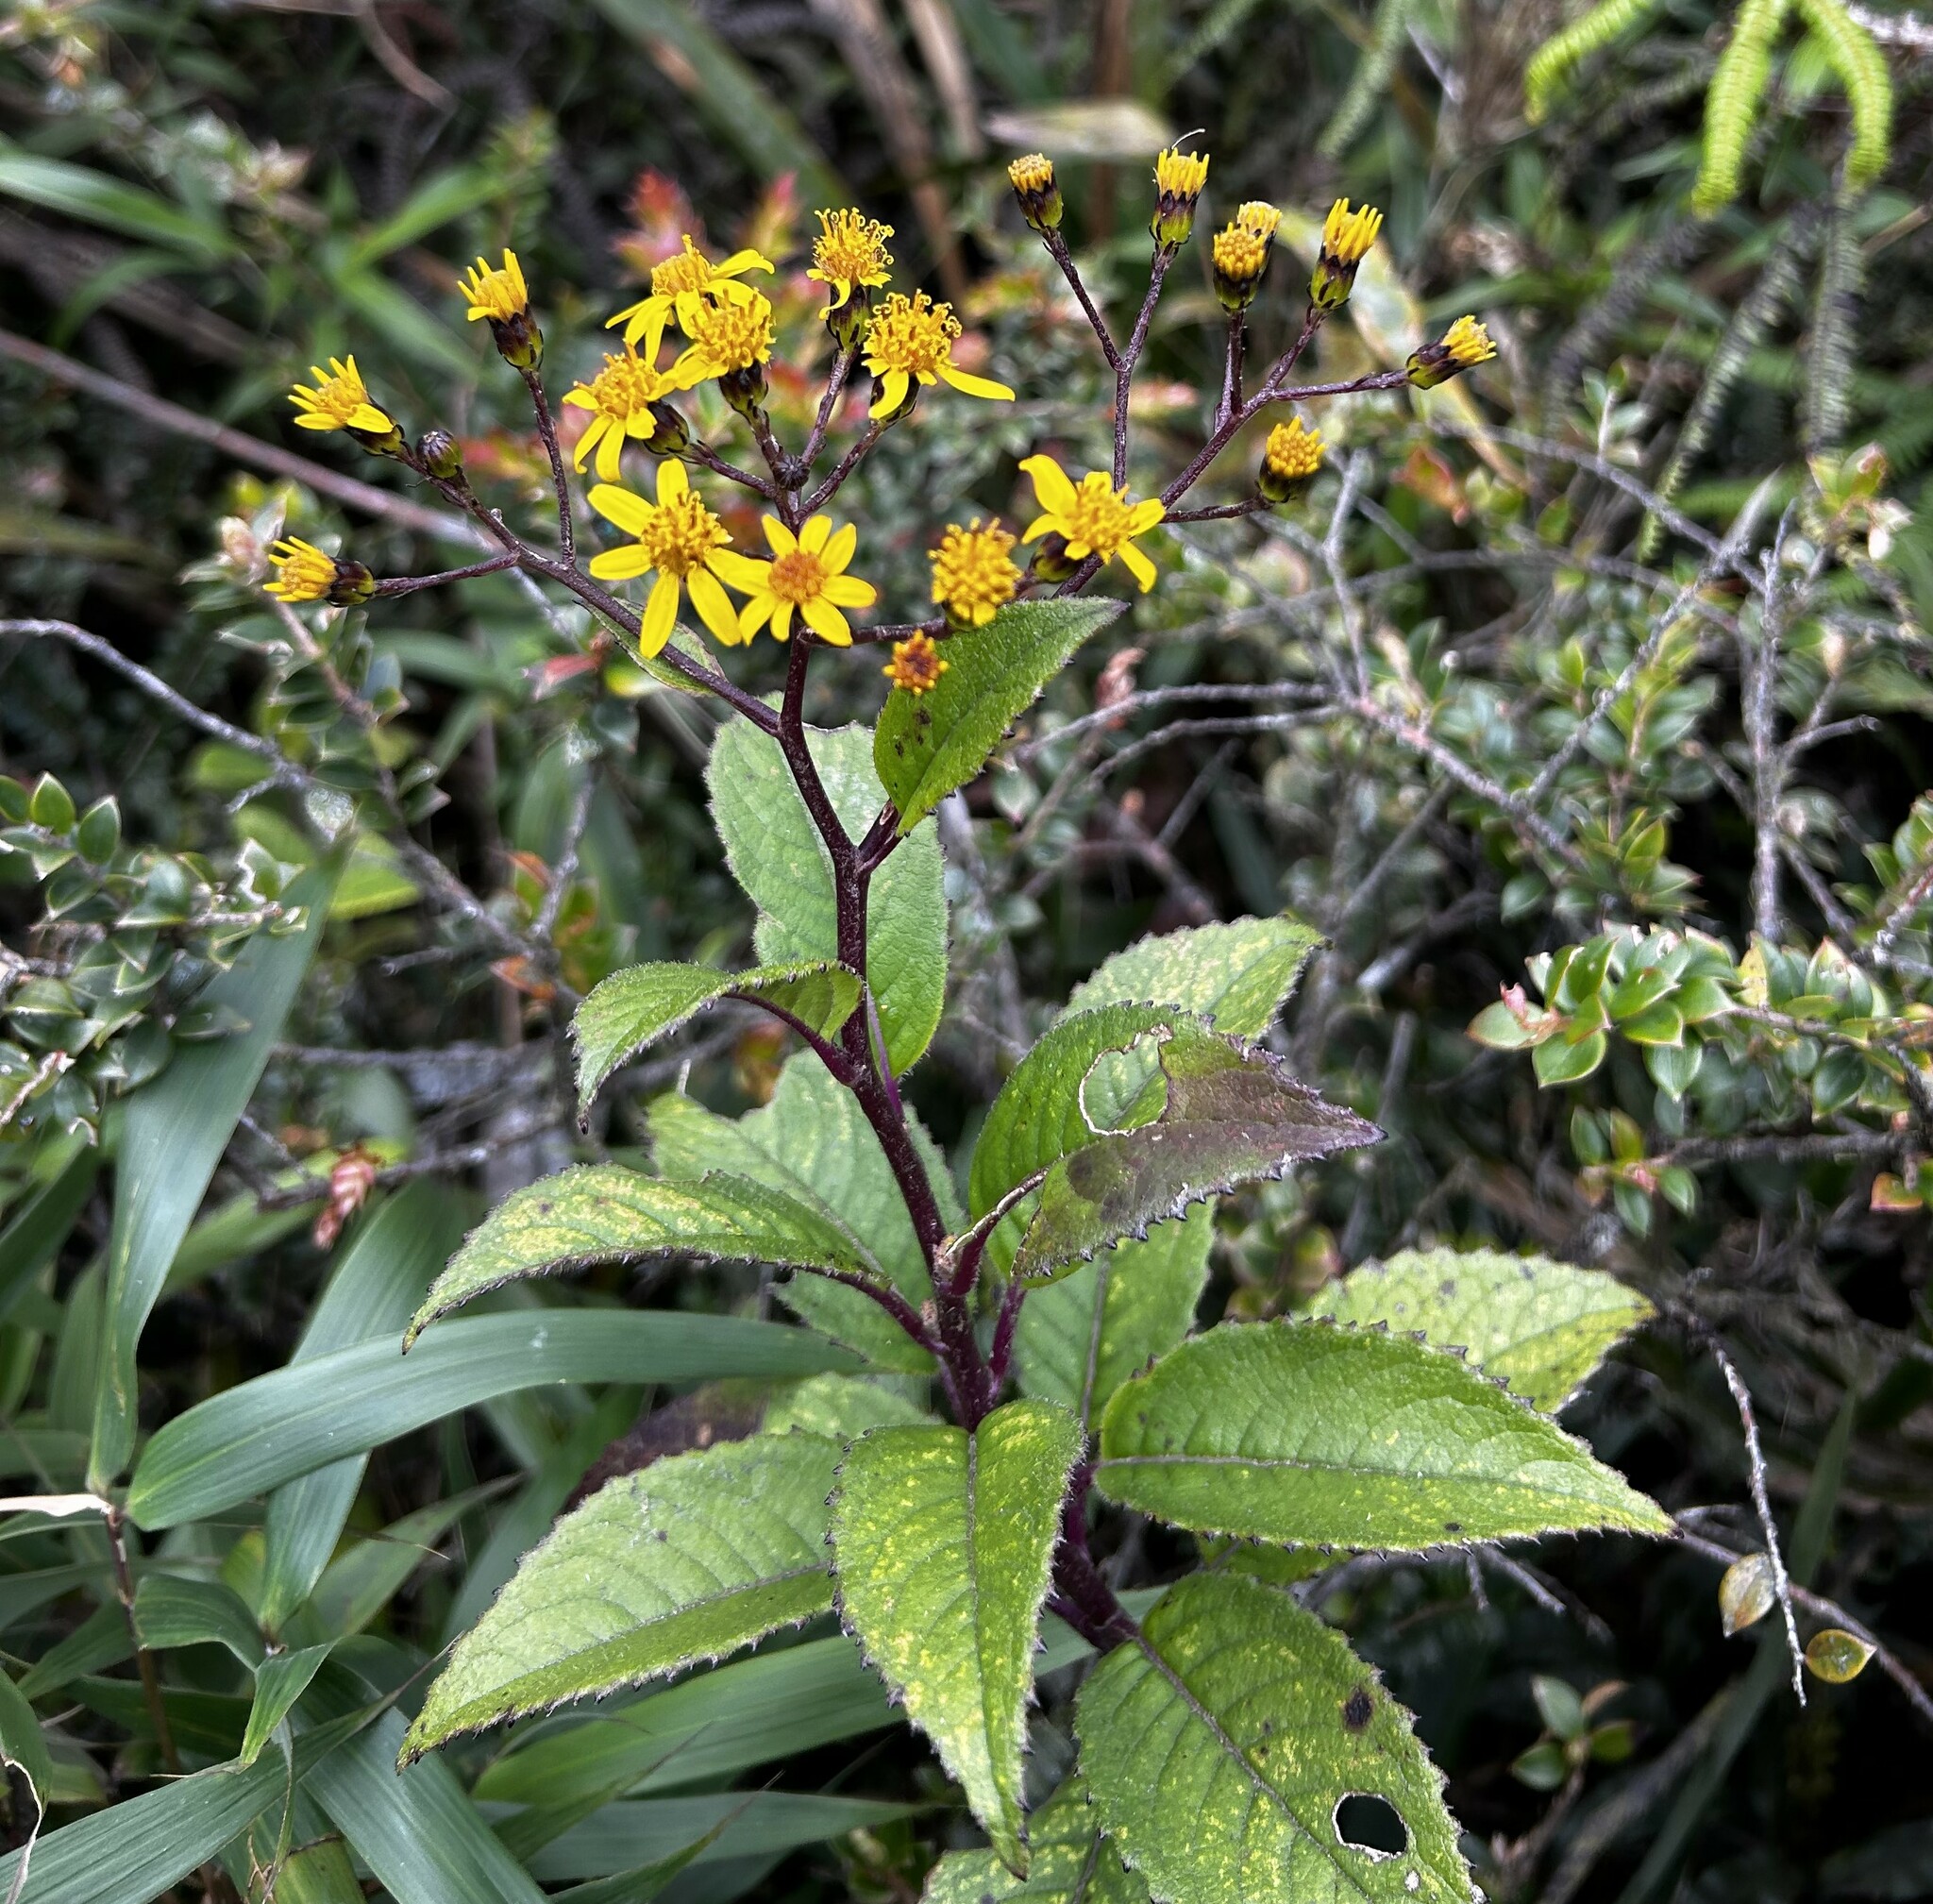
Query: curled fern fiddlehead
pixel 1560 55
pixel 1731 107
pixel 1855 56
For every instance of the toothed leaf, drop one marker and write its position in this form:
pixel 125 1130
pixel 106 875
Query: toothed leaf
pixel 1073 1861
pixel 1307 1434
pixel 943 1541
pixel 1236 976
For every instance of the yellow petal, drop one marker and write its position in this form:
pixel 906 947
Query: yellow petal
pixel 781 620
pixel 619 506
pixel 660 617
pixel 580 398
pixel 826 622
pixel 740 263
pixel 784 542
pixel 893 388
pixel 848 591
pixel 1044 524
pixel 367 416
pixel 1051 485
pixel 976 387
pixel 1144 516
pixel 812 537
pixel 611 453
pixel 838 553
pixel 1138 565
pixel 672 480
pixel 713 605
pixel 588 441
pixel 742 572
pixel 754 615
pixel 310 420
pixel 619 565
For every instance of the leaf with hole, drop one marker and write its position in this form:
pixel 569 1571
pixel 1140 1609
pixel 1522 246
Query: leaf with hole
pixel 1307 1434
pixel 1226 1748
pixel 928 744
pixel 1541 1326
pixel 943 1541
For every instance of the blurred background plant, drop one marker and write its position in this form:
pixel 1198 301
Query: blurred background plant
pixel 1584 706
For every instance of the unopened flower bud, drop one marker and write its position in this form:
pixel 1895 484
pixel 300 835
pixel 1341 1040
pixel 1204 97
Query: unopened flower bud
pixel 1465 345
pixel 669 432
pixel 744 388
pixel 1179 177
pixel 1347 237
pixel 1051 562
pixel 353 584
pixel 847 322
pixel 441 457
pixel 1290 462
pixel 1241 255
pixel 1037 190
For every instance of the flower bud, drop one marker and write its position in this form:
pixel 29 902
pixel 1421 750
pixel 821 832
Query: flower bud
pixel 900 409
pixel 379 442
pixel 1051 562
pixel 503 299
pixel 847 322
pixel 1037 190
pixel 669 432
pixel 744 388
pixel 439 455
pixel 353 584
pixel 1241 255
pixel 1290 462
pixel 1179 177
pixel 1465 345
pixel 1347 237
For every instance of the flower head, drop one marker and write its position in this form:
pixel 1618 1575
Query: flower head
pixel 973 572
pixel 727 334
pixel 916 664
pixel 1094 518
pixel 910 340
pixel 1290 459
pixel 677 538
pixel 304 573
pixel 502 298
pixel 1465 345
pixel 851 253
pixel 1347 237
pixel 339 400
pixel 1037 190
pixel 1241 254
pixel 680 286
pixel 627 398
pixel 1179 177
pixel 807 575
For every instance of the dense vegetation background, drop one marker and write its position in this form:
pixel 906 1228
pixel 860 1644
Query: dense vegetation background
pixel 199 200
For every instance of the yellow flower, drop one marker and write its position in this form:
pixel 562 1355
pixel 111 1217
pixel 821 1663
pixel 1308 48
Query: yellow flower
pixel 1259 216
pixel 624 398
pixel 1037 190
pixel 304 573
pixel 911 339
pixel 807 573
pixel 1240 254
pixel 727 335
pixel 973 574
pixel 1347 237
pixel 1290 459
pixel 679 287
pixel 338 401
pixel 1094 519
pixel 916 664
pixel 499 295
pixel 1463 345
pixel 850 251
pixel 1179 177
pixel 680 540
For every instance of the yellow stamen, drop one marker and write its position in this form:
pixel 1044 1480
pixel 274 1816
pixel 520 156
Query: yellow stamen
pixel 973 573
pixel 1292 452
pixel 917 664
pixel 851 251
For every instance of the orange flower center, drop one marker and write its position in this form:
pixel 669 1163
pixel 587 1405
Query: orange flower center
pixel 799 576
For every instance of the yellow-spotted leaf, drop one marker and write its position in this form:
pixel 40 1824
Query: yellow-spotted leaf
pixel 1071 1861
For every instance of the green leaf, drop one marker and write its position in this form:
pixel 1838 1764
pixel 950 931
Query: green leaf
pixel 1237 976
pixel 1232 1115
pixel 371 1570
pixel 290 1422
pixel 394 1250
pixel 1219 1749
pixel 684 1561
pixel 635 1007
pixel 1307 1434
pixel 926 745
pixel 41 1224
pixel 94 198
pixel 777 855
pixel 604 1213
pixel 813 1142
pixel 1072 1863
pixel 1145 1291
pixel 1558 1061
pixel 1539 1325
pixel 281 1679
pixel 437 201
pixel 943 1541
pixel 842 1407
pixel 170 1612
pixel 22 1743
pixel 173 1135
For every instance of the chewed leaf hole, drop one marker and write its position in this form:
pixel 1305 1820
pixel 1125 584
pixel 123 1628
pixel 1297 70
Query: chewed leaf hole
pixel 1367 1823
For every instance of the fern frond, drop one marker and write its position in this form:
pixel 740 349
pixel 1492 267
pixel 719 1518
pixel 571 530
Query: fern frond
pixel 1855 56
pixel 1371 77
pixel 1829 362
pixel 1731 107
pixel 1560 55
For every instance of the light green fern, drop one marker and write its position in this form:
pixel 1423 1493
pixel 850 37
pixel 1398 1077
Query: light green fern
pixel 1561 55
pixel 1852 54
pixel 1829 362
pixel 1731 107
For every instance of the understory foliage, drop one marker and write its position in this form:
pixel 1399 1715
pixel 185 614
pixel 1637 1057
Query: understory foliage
pixel 916 1024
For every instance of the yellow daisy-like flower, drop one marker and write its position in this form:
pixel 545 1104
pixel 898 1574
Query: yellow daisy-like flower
pixel 339 400
pixel 1465 345
pixel 305 573
pixel 727 335
pixel 973 573
pixel 1290 459
pixel 1179 177
pixel 497 294
pixel 916 664
pixel 1094 518
pixel 910 340
pixel 680 541
pixel 622 397
pixel 850 251
pixel 1347 237
pixel 1040 193
pixel 679 287
pixel 807 574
